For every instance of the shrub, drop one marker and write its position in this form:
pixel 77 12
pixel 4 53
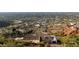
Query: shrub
pixel 69 41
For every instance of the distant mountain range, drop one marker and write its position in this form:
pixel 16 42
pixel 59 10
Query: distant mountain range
pixel 37 13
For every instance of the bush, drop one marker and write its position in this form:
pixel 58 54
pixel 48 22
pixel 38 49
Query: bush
pixel 69 41
pixel 2 39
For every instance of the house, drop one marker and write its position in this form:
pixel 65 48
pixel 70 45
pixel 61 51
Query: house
pixel 32 38
pixel 27 38
pixel 19 38
pixel 17 21
pixel 49 39
pixel 53 39
pixel 37 25
pixel 16 38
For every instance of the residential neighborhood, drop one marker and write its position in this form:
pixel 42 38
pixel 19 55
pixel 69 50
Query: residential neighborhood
pixel 39 30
